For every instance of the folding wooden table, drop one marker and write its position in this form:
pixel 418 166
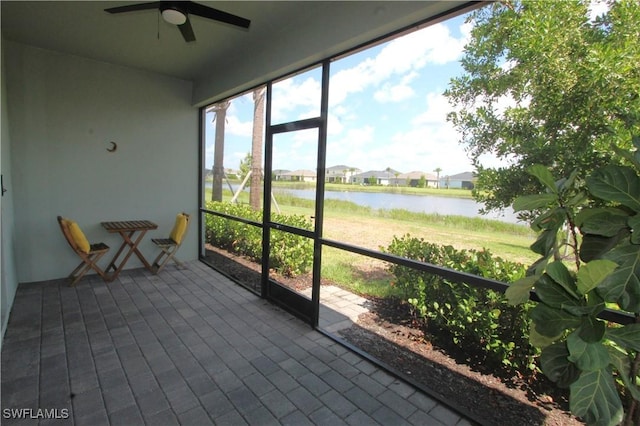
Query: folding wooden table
pixel 127 229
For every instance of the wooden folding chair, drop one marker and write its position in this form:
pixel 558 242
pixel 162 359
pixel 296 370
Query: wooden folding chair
pixel 169 246
pixel 89 253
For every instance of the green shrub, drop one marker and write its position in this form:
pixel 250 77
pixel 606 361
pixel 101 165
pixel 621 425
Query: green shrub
pixel 291 254
pixel 477 320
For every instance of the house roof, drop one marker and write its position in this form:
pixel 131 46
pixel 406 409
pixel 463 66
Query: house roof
pixel 382 174
pixel 417 174
pixel 467 176
pixel 301 172
pixel 341 168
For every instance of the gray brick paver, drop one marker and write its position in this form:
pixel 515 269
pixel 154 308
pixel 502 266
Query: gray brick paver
pixel 297 418
pixel 216 404
pixel 397 403
pixel 386 416
pixel 117 398
pixel 444 415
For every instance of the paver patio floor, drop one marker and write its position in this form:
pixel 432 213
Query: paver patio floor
pixel 189 347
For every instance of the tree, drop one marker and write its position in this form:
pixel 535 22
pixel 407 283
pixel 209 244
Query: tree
pixel 220 118
pixel 245 166
pixel 255 195
pixel 437 170
pixel 546 85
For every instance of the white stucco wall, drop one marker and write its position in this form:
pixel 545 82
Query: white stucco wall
pixel 63 112
pixel 8 277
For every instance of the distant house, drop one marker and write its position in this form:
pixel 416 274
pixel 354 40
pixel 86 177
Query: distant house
pixel 461 181
pixel 277 174
pixel 379 177
pixel 340 173
pixel 413 179
pixel 298 176
pixel 232 173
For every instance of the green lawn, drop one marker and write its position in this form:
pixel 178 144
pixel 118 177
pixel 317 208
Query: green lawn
pixel 366 227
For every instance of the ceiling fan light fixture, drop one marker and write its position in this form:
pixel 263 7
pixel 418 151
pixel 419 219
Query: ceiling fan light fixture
pixel 174 16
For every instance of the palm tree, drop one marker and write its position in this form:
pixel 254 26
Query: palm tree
pixel 220 118
pixel 437 170
pixel 352 170
pixel 255 197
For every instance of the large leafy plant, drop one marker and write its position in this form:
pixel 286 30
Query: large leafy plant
pixel 589 247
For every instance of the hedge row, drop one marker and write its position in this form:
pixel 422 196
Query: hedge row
pixel 291 254
pixel 478 320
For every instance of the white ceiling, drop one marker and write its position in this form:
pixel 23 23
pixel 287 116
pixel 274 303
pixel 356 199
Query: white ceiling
pixel 283 36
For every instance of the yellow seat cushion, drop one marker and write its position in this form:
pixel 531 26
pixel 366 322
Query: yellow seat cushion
pixel 179 229
pixel 79 237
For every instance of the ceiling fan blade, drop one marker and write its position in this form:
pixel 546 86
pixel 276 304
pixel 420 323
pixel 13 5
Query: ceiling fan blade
pixel 134 7
pixel 215 14
pixel 187 31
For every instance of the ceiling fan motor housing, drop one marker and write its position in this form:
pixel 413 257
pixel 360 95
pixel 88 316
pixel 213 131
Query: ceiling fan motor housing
pixel 173 13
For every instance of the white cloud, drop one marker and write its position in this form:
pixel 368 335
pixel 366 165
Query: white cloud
pixel 408 54
pixel 352 148
pixel 235 126
pixel 298 150
pixel 289 95
pixel 436 112
pixel 427 147
pixel 396 93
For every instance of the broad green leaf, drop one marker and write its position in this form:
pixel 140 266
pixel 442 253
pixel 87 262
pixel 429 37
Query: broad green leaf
pixel 623 285
pixel 533 202
pixel 551 322
pixel 585 214
pixel 544 243
pixel 519 291
pixel 628 336
pixel 561 275
pixel 538 340
pixel 634 224
pixel 577 199
pixel 594 398
pixel 619 360
pixel 616 183
pixel 592 329
pixel 587 356
pixel 565 184
pixel 606 223
pixel 544 176
pixel 594 246
pixel 592 310
pixel 555 364
pixel 550 220
pixel 537 268
pixel 592 274
pixel 552 293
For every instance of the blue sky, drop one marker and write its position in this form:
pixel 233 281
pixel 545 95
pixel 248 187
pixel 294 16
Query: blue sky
pixel 386 109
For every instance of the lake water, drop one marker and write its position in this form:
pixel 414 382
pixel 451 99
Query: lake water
pixel 414 203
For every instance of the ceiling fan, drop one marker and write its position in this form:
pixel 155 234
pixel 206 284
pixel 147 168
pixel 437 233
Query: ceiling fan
pixel 177 13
